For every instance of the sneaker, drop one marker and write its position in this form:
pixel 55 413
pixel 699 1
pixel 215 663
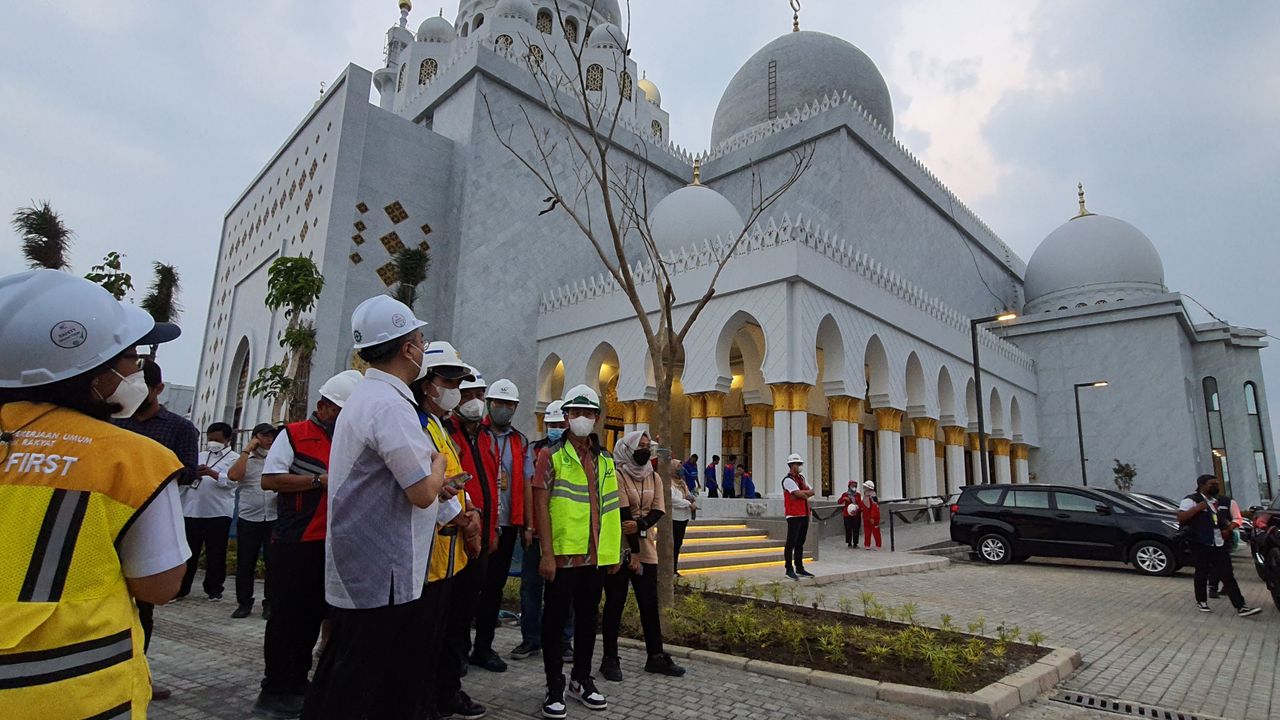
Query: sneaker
pixel 488 660
pixel 277 706
pixel 215 597
pixel 566 654
pixel 462 706
pixel 243 611
pixel 553 706
pixel 524 650
pixel 611 668
pixel 792 574
pixel 804 573
pixel 1204 607
pixel 1246 611
pixel 662 664
pixel 586 693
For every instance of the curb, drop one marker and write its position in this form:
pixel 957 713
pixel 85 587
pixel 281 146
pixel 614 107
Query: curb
pixel 993 701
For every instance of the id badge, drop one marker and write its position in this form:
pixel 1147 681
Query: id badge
pixel 504 480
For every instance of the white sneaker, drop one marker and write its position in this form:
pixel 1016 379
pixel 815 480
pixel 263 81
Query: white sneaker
pixel 586 693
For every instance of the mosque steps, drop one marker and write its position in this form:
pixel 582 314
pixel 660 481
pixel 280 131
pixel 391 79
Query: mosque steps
pixel 711 546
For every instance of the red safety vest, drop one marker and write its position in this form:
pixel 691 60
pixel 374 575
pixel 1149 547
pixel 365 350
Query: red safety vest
pixel 792 506
pixel 519 445
pixel 301 516
pixel 482 490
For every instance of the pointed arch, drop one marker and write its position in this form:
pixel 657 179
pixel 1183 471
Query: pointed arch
pixel 741 322
pixel 971 404
pixel 836 378
pixel 550 380
pixel 237 385
pixel 1015 419
pixel 917 389
pixel 996 413
pixel 603 366
pixel 879 383
pixel 946 398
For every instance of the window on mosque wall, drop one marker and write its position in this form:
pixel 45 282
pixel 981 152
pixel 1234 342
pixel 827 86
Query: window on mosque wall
pixel 657 129
pixel 400 82
pixel 624 84
pixel 1258 440
pixel 427 71
pixel 504 42
pixel 478 21
pixel 595 78
pixel 466 29
pixel 544 22
pixel 535 55
pixel 571 30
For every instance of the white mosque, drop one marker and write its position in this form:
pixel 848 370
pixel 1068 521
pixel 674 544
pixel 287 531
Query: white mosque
pixel 842 328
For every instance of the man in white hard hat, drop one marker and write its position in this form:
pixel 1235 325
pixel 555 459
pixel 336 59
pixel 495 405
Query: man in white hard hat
pixel 297 469
pixel 795 497
pixel 531 583
pixel 514 513
pixel 90 519
pixel 385 483
pixel 578 517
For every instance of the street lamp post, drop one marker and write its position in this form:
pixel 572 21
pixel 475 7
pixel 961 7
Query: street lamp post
pixel 977 386
pixel 1084 476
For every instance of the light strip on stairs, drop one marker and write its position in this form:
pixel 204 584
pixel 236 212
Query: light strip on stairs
pixel 713 540
pixel 713 554
pixel 698 528
pixel 727 568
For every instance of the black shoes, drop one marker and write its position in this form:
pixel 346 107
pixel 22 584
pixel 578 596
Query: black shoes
pixel 524 650
pixel 585 692
pixel 792 574
pixel 488 660
pixel 1246 611
pixel 243 611
pixel 611 668
pixel 804 573
pixel 662 664
pixel 553 706
pixel 278 707
pixel 462 706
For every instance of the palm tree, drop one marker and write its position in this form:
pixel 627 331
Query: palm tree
pixel 411 270
pixel 162 297
pixel 45 239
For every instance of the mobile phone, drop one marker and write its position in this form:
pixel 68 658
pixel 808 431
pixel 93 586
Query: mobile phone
pixel 459 480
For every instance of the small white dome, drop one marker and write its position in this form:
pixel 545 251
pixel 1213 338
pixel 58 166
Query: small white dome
pixel 517 9
pixel 609 36
pixel 436 29
pixel 1092 258
pixel 692 214
pixel 650 91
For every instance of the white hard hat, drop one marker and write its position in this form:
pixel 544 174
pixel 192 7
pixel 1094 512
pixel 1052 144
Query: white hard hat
pixel 869 485
pixel 338 388
pixel 54 326
pixel 382 318
pixel 443 360
pixel 581 396
pixel 794 458
pixel 553 413
pixel 473 380
pixel 504 389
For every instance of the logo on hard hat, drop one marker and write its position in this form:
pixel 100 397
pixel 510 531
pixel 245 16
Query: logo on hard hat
pixel 358 336
pixel 398 320
pixel 68 334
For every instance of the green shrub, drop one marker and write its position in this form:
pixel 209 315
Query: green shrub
pixel 831 641
pixel 1035 637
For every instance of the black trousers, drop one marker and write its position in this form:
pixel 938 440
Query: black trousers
pixel 797 531
pixel 852 529
pixel 578 588
pixel 211 535
pixel 678 528
pixel 252 539
pixel 615 599
pixel 1216 560
pixel 146 618
pixel 495 580
pixel 467 584
pixel 442 673
pixel 296 578
pixel 372 665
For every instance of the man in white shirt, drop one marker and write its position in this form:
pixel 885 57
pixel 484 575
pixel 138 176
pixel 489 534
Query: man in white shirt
pixel 256 514
pixel 386 483
pixel 1208 527
pixel 207 504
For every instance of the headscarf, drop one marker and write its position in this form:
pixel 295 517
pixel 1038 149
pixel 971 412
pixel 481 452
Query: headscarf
pixel 637 480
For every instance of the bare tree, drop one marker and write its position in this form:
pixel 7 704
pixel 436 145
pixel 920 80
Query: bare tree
pixel 595 172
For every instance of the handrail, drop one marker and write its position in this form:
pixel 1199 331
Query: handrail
pixel 929 509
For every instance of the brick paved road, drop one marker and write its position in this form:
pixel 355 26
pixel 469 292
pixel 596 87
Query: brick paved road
pixel 1142 638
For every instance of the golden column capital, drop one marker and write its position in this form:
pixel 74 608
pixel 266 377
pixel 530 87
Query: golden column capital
pixel 999 446
pixel 768 420
pixel 715 404
pixel 939 450
pixel 925 428
pixel 800 397
pixel 845 408
pixel 760 414
pixel 973 443
pixel 954 435
pixel 815 425
pixel 697 407
pixel 1019 451
pixel 644 411
pixel 889 419
pixel 628 412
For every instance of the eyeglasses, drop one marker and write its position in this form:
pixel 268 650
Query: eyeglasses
pixel 137 360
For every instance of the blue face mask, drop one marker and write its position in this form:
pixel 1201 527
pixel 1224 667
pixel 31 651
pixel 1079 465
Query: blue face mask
pixel 554 434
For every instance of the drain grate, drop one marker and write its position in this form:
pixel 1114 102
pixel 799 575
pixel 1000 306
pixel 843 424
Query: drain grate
pixel 1125 707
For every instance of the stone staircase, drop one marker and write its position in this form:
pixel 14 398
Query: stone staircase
pixel 712 546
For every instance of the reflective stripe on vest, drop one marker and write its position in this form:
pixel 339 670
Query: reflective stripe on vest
pixel 46 666
pixel 570 507
pixel 47 573
pixel 448 556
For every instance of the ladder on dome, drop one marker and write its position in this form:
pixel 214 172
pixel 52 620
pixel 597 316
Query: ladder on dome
pixel 773 89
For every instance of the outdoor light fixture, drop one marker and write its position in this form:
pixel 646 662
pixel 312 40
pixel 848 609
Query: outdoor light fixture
pixel 1005 316
pixel 1084 476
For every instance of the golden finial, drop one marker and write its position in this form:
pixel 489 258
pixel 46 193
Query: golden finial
pixel 406 5
pixel 1080 192
pixel 697 172
pixel 795 17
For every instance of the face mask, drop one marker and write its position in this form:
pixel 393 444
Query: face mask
pixel 422 368
pixel 215 447
pixel 472 409
pixel 129 395
pixel 640 456
pixel 449 398
pixel 554 434
pixel 501 416
pixel 581 426
pixel 1214 492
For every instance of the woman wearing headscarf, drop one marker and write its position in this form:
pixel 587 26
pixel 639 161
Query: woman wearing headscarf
pixel 683 505
pixel 641 495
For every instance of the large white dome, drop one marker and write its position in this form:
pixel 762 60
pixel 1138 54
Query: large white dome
pixel 1092 258
pixel 436 29
pixel 692 214
pixel 809 65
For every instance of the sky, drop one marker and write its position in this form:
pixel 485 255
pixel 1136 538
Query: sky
pixel 141 122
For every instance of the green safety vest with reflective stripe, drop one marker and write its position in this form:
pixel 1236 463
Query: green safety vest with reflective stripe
pixel 571 507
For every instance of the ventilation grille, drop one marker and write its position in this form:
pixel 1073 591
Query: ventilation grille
pixel 1126 707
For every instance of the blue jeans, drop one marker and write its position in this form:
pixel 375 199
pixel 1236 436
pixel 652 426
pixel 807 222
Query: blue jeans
pixel 531 587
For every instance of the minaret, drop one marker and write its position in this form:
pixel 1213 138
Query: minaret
pixel 399 37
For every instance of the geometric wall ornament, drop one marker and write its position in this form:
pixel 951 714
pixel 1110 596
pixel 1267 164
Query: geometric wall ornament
pixel 356 259
pixel 391 241
pixel 396 212
pixel 388 274
pixel 357 239
pixel 424 246
pixel 362 207
pixel 426 229
pixel 360 226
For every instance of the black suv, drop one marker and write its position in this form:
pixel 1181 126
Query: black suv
pixel 1265 545
pixel 1010 523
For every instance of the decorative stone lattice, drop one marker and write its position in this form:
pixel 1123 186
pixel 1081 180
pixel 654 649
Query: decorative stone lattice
pixel 387 273
pixel 396 212
pixel 391 241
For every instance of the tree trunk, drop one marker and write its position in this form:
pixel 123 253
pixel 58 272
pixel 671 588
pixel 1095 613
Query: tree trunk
pixel 664 374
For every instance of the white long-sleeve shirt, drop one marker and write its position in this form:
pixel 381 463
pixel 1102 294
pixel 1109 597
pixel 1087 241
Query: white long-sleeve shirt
pixel 212 497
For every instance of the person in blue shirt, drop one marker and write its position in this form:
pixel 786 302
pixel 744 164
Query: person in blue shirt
pixel 746 485
pixel 690 471
pixel 709 477
pixel 726 485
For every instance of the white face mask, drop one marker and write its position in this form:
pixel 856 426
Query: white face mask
pixel 581 426
pixel 422 367
pixel 448 398
pixel 129 395
pixel 472 409
pixel 214 446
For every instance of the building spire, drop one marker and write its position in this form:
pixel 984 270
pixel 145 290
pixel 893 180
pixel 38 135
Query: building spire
pixel 1084 211
pixel 405 7
pixel 795 17
pixel 697 171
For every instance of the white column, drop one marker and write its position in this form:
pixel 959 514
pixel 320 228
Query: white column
pixel 888 453
pixel 814 460
pixel 780 433
pixel 926 457
pixel 715 438
pixel 1021 468
pixel 855 452
pixel 644 409
pixel 1003 470
pixel 698 432
pixel 800 436
pixel 840 458
pixel 759 440
pixel 955 467
pixel 975 458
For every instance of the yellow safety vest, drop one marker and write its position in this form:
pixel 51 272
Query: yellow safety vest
pixel 448 556
pixel 570 507
pixel 70 640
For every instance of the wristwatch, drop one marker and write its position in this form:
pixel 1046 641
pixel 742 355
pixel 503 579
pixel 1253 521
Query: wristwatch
pixel 315 483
